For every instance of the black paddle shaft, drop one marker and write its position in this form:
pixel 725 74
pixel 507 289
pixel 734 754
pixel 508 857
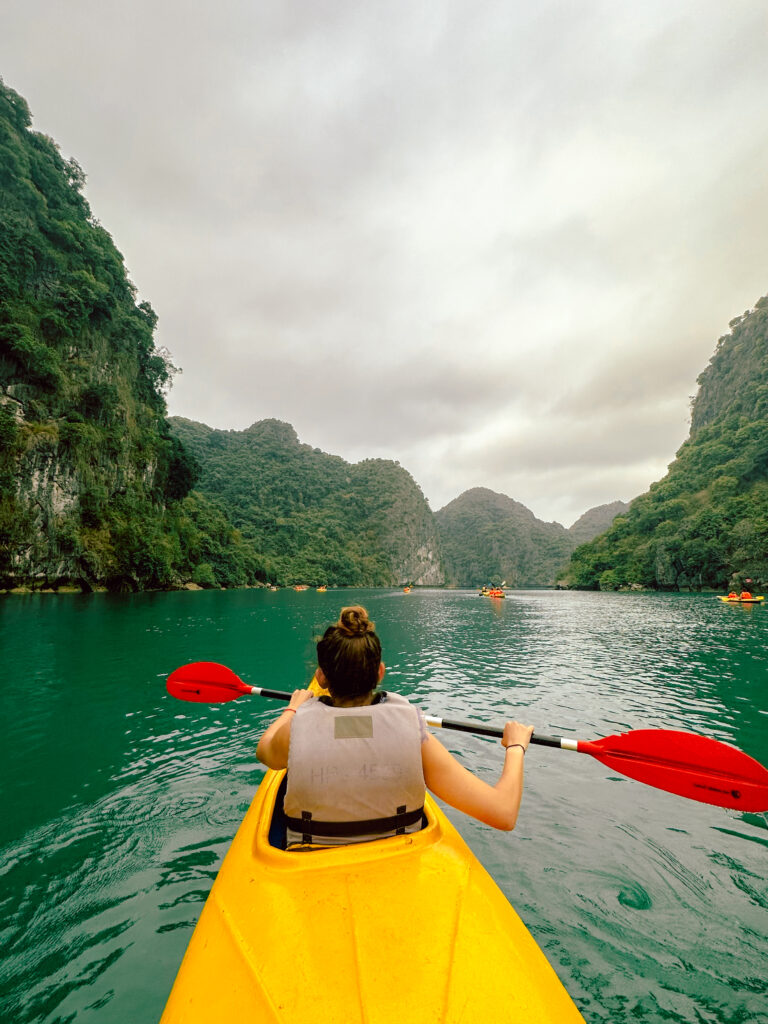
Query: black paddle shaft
pixel 486 730
pixel 273 694
pixel 477 728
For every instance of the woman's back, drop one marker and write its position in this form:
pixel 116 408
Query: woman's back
pixel 352 770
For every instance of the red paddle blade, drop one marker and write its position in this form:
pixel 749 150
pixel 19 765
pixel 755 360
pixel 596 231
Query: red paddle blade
pixel 206 682
pixel 692 766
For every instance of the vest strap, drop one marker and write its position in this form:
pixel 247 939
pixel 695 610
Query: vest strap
pixel 306 820
pixel 346 829
pixel 401 830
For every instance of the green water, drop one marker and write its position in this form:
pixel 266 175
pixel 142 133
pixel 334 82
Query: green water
pixel 119 802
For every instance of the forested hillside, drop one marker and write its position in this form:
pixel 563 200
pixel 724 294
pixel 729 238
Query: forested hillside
pixel 488 538
pixel 313 517
pixel 705 524
pixel 91 480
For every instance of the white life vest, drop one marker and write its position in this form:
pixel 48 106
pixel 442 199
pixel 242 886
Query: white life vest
pixel 354 773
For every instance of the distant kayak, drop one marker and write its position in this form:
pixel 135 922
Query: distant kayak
pixel 741 600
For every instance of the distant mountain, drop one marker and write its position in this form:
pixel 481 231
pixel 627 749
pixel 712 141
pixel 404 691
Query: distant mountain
pixel 705 524
pixel 488 537
pixel 313 517
pixel 596 521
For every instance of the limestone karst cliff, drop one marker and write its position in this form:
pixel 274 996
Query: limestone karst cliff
pixel 87 465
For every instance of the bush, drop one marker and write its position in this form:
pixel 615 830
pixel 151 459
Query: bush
pixel 204 576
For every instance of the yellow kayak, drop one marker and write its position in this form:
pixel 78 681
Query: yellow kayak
pixel 405 930
pixel 741 600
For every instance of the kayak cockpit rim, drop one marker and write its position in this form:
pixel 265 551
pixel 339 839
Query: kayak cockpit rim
pixel 268 840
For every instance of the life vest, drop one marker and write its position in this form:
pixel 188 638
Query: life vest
pixel 354 774
pixel 745 595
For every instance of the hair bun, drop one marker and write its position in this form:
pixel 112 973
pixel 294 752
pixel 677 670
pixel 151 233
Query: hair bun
pixel 354 621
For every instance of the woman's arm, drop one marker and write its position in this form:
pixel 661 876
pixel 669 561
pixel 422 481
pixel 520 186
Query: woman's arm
pixel 273 747
pixel 449 780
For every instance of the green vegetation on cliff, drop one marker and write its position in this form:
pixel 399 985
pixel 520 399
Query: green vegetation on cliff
pixel 313 517
pixel 91 481
pixel 706 523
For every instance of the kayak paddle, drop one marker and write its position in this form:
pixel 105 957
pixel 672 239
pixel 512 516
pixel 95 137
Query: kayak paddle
pixel 692 766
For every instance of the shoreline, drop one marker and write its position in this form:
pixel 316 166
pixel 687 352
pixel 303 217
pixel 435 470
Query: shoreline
pixel 73 588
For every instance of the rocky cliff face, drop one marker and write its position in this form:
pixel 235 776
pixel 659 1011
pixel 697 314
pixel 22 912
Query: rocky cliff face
pixel 408 532
pixel 85 458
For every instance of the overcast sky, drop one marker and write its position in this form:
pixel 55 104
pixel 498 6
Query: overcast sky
pixel 495 241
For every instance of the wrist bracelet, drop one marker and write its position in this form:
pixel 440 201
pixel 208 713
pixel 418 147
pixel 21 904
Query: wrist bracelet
pixel 510 745
pixel 290 709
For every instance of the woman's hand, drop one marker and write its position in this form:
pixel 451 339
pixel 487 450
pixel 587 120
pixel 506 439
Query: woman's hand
pixel 299 697
pixel 515 733
pixel 275 744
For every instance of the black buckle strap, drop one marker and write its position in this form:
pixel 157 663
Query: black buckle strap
pixel 306 826
pixel 401 830
pixel 347 829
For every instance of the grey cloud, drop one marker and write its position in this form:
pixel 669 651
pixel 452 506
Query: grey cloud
pixel 419 397
pixel 587 443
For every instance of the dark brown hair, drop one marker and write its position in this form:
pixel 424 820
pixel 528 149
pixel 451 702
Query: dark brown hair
pixel 349 654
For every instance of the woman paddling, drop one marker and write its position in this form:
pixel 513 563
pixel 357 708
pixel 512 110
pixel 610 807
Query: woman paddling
pixel 359 760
